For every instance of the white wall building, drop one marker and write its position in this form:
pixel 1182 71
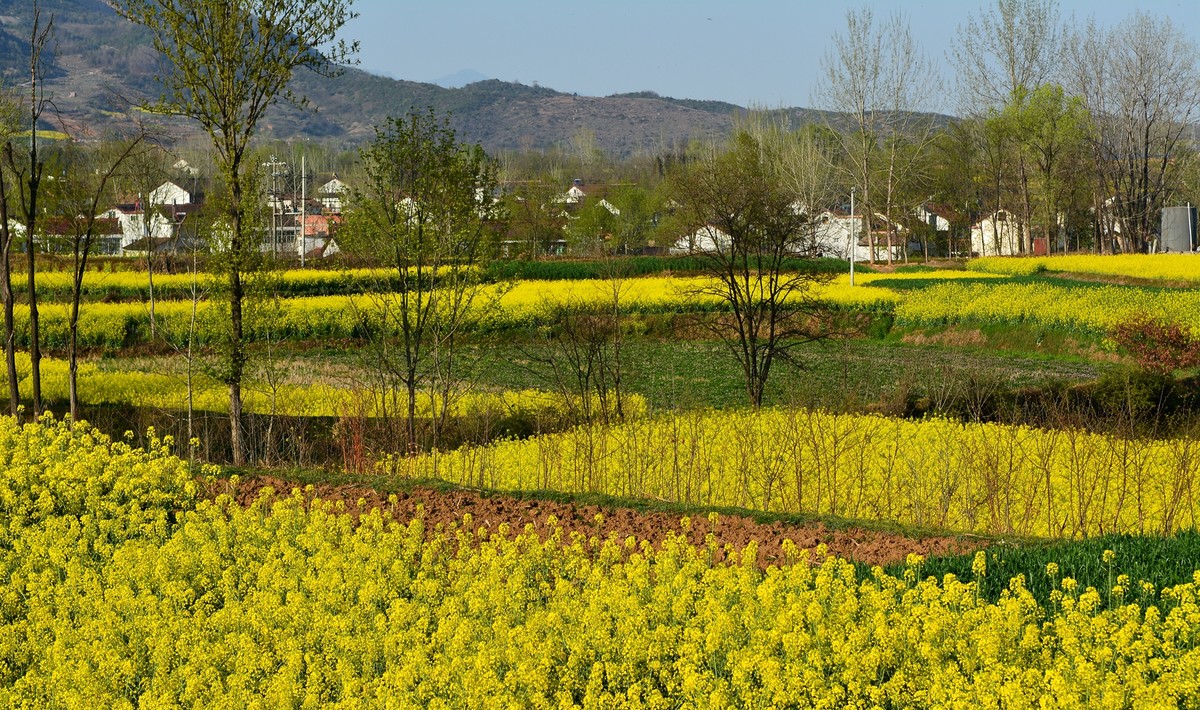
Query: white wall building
pixel 998 234
pixel 707 239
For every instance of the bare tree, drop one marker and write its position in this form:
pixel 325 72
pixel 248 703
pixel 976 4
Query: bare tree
pixel 144 172
pixel 1008 49
pixel 584 355
pixel 805 159
pixel 77 198
pixel 227 63
pixel 9 121
pixel 879 78
pixel 756 227
pixel 27 169
pixel 1141 87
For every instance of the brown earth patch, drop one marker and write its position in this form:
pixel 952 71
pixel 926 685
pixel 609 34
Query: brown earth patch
pixel 1120 280
pixel 731 533
pixel 957 337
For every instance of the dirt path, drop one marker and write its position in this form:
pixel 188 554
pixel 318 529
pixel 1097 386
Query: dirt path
pixel 489 511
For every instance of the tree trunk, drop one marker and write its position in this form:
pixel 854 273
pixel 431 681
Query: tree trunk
pixel 149 265
pixel 35 351
pixel 411 415
pixel 6 292
pixel 72 355
pixel 237 347
pixel 1026 209
pixel 81 259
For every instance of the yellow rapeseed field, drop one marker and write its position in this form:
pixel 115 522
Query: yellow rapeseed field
pixel 118 588
pixel 986 478
pixel 1164 267
pixel 170 392
pixel 1085 308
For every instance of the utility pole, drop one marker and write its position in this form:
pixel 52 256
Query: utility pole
pixel 274 164
pixel 303 210
pixel 853 236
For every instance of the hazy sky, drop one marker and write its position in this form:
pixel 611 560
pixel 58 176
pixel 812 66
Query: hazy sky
pixel 761 52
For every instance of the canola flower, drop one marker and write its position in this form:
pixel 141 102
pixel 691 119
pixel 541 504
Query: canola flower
pixel 119 589
pixel 1165 267
pixel 497 307
pixel 169 392
pixel 133 284
pixel 1095 310
pixel 938 473
pixel 525 304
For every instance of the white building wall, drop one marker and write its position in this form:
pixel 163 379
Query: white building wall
pixel 997 235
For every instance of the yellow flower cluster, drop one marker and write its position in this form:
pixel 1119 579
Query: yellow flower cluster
pixel 53 469
pixel 131 601
pixel 1165 267
pixel 1083 309
pixel 526 303
pixel 136 284
pixel 932 473
pixel 145 389
pixel 496 307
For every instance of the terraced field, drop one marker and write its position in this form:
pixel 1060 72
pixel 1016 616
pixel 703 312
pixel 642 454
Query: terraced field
pixel 971 496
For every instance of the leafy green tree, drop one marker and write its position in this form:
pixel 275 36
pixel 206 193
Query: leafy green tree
pixel 590 231
pixel 228 61
pixel 427 211
pixel 536 221
pixel 639 210
pixel 1006 48
pixel 1051 128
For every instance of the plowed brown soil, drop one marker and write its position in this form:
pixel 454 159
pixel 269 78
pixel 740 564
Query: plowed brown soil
pixel 489 511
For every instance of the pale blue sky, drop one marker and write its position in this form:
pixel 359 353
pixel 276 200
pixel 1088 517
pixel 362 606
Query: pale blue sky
pixel 761 52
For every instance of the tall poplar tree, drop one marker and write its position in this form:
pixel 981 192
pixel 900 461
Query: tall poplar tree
pixel 228 61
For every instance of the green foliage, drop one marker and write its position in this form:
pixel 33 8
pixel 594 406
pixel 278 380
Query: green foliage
pixel 427 199
pixel 1162 560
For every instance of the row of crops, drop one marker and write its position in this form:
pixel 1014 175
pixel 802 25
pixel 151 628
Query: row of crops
pixel 120 588
pixel 132 285
pixel 952 297
pixel 135 285
pixel 1157 267
pixel 933 473
pixel 171 391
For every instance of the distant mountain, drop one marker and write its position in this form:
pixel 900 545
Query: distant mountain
pixel 460 78
pixel 103 63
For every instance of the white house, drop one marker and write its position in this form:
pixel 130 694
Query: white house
pixel 331 194
pixel 573 196
pixel 185 168
pixel 169 193
pixel 938 222
pixel 707 239
pixel 998 234
pixel 833 233
pixel 132 222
